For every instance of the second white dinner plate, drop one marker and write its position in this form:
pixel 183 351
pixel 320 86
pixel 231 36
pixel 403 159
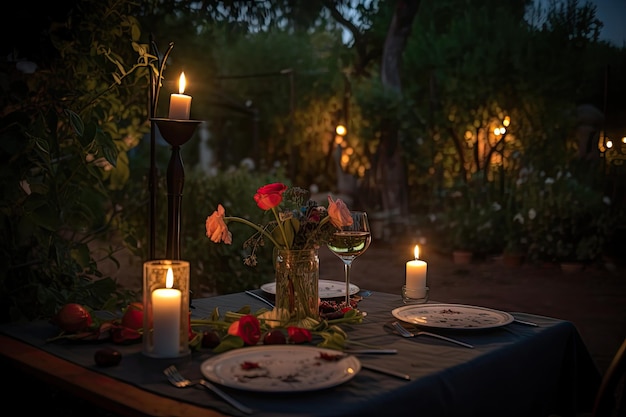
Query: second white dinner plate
pixel 452 316
pixel 327 288
pixel 281 368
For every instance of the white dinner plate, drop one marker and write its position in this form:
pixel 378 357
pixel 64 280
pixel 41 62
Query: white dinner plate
pixel 281 368
pixel 452 316
pixel 327 289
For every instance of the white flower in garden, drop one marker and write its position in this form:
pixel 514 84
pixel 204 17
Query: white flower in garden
pixel 532 214
pixel 550 180
pixel 606 200
pixel 495 206
pixel 519 218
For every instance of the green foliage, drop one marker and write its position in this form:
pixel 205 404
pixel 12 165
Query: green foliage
pixel 565 215
pixel 65 131
pixel 215 267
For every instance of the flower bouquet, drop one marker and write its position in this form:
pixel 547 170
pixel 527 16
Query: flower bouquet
pixel 297 228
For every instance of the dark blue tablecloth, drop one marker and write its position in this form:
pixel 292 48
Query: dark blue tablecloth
pixel 514 370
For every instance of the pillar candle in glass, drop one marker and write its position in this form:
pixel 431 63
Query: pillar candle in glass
pixel 416 276
pixel 166 308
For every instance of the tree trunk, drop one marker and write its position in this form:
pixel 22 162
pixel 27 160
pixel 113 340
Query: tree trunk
pixel 390 169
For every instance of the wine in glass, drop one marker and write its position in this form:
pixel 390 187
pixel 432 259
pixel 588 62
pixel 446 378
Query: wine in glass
pixel 350 242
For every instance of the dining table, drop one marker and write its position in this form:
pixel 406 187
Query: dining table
pixel 532 366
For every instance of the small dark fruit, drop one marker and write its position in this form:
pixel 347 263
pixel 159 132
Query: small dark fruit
pixel 107 357
pixel 210 339
pixel 274 337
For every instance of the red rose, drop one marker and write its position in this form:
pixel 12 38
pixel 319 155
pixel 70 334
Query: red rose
pixel 248 328
pixel 299 335
pixel 269 196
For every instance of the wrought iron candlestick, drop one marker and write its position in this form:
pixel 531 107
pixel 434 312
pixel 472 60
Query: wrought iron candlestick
pixel 176 133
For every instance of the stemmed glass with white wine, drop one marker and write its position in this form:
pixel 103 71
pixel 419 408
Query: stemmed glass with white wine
pixel 350 242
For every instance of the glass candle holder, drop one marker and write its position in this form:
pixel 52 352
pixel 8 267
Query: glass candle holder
pixel 166 308
pixel 414 296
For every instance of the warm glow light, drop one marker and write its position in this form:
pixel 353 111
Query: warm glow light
pixel 341 130
pixel 624 139
pixel 416 251
pixel 609 143
pixel 507 121
pixel 169 278
pixel 182 83
pixel 496 131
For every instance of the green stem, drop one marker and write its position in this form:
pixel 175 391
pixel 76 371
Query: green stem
pixel 254 226
pixel 280 226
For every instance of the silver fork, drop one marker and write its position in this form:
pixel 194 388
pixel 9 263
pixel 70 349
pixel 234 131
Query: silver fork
pixel 176 379
pixel 405 333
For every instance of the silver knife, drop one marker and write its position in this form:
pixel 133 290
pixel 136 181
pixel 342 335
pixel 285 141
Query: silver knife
pixel 258 297
pixel 386 371
pixel 371 351
pixel 527 323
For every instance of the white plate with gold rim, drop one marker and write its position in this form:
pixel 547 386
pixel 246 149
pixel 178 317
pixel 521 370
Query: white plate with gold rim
pixel 281 368
pixel 452 316
pixel 327 288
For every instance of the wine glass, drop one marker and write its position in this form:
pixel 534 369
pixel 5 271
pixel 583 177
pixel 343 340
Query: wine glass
pixel 350 242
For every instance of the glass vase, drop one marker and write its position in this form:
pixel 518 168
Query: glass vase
pixel 297 283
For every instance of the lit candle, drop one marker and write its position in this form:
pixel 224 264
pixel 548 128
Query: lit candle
pixel 416 276
pixel 180 104
pixel 166 304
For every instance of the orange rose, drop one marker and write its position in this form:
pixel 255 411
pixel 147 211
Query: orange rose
pixel 339 213
pixel 216 228
pixel 270 196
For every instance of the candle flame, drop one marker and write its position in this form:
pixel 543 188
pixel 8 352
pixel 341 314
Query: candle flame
pixel 182 83
pixel 169 278
pixel 416 251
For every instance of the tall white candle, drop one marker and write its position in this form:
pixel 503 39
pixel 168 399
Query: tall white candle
pixel 416 276
pixel 166 305
pixel 180 104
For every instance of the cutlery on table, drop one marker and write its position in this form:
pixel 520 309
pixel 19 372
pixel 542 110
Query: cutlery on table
pixel 176 379
pixel 386 371
pixel 258 297
pixel 527 323
pixel 405 333
pixel 370 351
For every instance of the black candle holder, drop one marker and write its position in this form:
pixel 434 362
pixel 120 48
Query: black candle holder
pixel 176 133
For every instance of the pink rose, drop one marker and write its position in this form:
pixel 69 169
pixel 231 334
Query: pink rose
pixel 339 213
pixel 216 228
pixel 270 196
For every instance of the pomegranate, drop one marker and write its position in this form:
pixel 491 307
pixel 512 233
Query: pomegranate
pixel 72 318
pixel 133 316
